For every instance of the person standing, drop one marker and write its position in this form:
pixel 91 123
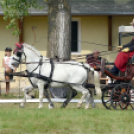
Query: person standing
pixel 8 67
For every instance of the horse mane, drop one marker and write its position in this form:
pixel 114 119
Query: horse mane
pixel 33 49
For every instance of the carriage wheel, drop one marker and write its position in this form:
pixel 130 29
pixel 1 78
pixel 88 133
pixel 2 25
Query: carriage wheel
pixel 106 98
pixel 122 96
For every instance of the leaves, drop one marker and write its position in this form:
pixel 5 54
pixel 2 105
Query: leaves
pixel 17 9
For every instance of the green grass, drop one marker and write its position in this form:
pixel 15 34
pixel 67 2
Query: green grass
pixel 10 96
pixel 36 94
pixel 30 120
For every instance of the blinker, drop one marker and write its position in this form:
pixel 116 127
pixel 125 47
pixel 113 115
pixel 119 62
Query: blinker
pixel 18 54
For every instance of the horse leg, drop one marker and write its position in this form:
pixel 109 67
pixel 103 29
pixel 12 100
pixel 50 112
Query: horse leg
pixel 69 97
pixel 51 104
pixel 41 93
pixel 87 101
pixel 91 98
pixel 84 92
pixel 26 90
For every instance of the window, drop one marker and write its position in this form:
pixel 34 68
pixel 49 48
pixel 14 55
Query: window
pixel 75 37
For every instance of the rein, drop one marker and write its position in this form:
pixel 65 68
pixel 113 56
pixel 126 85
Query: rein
pixel 54 63
pixel 26 73
pixel 79 57
pixel 85 42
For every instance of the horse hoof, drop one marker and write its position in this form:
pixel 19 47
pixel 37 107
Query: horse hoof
pixel 87 107
pixel 32 96
pixel 50 107
pixel 40 107
pixel 21 105
pixel 79 105
pixel 63 105
pixel 93 105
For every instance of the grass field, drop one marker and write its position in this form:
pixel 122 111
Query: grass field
pixel 31 120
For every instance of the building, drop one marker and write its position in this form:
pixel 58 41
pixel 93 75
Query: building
pixel 93 21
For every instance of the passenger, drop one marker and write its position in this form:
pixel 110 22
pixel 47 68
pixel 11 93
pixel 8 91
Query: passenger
pixel 94 60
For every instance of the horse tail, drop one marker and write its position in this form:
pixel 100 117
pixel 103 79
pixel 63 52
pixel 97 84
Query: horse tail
pixel 96 78
pixel 97 82
pixel 87 66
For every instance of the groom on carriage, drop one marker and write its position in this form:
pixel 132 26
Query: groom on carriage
pixel 126 53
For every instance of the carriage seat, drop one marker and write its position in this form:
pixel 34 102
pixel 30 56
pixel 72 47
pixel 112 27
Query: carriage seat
pixel 131 61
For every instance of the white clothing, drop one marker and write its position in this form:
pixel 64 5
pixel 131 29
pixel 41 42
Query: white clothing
pixel 8 61
pixel 109 80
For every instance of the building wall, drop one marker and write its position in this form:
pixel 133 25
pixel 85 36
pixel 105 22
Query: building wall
pixel 118 21
pixel 94 30
pixel 6 38
pixel 35 32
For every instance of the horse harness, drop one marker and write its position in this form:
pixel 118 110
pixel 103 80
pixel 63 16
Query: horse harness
pixel 31 74
pixel 28 74
pixel 49 79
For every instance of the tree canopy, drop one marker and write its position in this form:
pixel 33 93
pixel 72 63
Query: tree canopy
pixel 17 9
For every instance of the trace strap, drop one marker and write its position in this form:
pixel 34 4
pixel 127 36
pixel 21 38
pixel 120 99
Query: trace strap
pixel 49 80
pixel 51 74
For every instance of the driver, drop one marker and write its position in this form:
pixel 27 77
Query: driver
pixel 127 51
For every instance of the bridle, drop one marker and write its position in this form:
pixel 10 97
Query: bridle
pixel 19 54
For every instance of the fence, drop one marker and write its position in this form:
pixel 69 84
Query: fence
pixel 44 100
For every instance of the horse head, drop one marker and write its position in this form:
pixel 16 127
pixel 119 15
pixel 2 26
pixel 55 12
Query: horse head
pixel 25 52
pixel 18 55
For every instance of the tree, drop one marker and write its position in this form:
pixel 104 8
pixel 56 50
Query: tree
pixel 59 34
pixel 16 9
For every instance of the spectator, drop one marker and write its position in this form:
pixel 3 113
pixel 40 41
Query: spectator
pixel 8 67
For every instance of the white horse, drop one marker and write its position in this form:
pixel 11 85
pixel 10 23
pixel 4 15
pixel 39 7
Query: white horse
pixel 73 74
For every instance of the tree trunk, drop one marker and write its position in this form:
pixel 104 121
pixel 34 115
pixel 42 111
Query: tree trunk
pixel 59 32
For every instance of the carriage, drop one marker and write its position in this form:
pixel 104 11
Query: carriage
pixel 120 94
